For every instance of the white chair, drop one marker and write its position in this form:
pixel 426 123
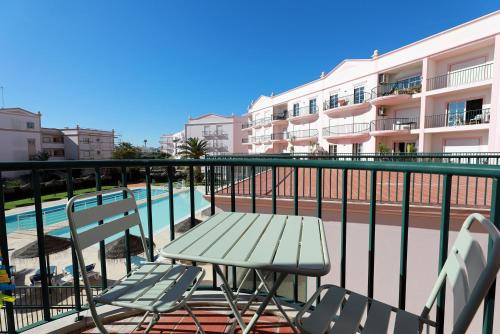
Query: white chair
pixel 465 268
pixel 153 287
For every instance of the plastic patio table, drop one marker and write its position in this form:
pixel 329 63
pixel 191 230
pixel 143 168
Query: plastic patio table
pixel 262 242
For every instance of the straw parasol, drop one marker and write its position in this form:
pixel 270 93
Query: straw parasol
pixel 52 245
pixel 116 248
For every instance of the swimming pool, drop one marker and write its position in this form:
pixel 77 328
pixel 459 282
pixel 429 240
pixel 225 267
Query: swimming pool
pixel 161 213
pixel 57 214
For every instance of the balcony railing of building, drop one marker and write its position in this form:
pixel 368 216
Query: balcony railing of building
pixel 409 86
pixel 304 111
pixel 279 136
pixel 261 121
pixel 299 134
pixel 247 125
pixel 461 77
pixel 469 117
pixel 281 116
pixel 348 100
pixel 395 124
pixel 214 134
pixel 346 129
pixel 223 173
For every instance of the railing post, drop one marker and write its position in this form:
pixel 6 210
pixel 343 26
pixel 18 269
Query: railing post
pixel 233 190
pixel 443 249
pixel 74 259
pixel 102 248
pixel 128 263
pixel 191 196
pixel 371 232
pixel 273 189
pixel 41 245
pixel 319 198
pixel 489 301
pixel 403 257
pixel 4 248
pixel 252 180
pixel 343 233
pixel 170 174
pixel 212 190
pixel 149 206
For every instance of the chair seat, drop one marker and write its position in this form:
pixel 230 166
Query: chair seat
pixel 154 287
pixel 341 312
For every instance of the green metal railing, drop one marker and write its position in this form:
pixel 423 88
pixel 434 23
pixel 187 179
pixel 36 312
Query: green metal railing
pixel 248 172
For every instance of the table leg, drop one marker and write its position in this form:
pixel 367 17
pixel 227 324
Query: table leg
pixel 276 301
pixel 230 297
pixel 265 302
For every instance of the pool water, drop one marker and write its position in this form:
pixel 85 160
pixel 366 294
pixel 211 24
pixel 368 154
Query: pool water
pixel 161 214
pixel 57 214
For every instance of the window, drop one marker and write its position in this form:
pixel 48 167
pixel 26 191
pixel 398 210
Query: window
pixel 30 125
pixel 357 148
pixel 312 106
pixel 98 140
pixel 333 149
pixel 98 152
pixel 47 139
pixel 359 95
pixel 296 109
pixel 409 82
pixel 86 140
pixel 219 129
pixel 334 101
pixel 463 112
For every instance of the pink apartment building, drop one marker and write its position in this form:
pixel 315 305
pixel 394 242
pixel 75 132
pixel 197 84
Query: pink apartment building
pixel 440 94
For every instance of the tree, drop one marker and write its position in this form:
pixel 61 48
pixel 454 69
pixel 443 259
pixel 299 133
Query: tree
pixel 41 156
pixel 126 151
pixel 193 148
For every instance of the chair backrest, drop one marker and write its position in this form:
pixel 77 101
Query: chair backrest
pixel 467 271
pixel 94 224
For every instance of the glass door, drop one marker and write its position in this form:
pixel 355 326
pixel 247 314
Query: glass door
pixel 456 113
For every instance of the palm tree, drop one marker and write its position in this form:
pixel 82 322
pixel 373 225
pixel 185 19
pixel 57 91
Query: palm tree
pixel 193 148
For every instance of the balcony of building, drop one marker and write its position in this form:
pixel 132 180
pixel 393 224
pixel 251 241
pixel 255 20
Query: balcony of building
pixel 247 126
pixel 297 137
pixel 348 105
pixel 279 137
pixel 394 126
pixel 397 92
pixel 389 222
pixel 347 133
pixel 457 120
pixel 303 115
pixel 246 141
pixel 215 134
pixel 280 118
pixel 261 122
pixel 465 78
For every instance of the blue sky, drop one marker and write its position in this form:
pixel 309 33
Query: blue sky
pixel 142 67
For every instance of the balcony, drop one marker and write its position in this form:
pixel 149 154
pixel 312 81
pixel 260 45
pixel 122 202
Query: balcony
pixel 347 133
pixel 218 134
pixel 400 264
pixel 304 115
pixel 388 94
pixel 462 119
pixel 349 105
pixel 247 126
pixel 279 137
pixel 246 141
pixel 303 136
pixel 464 77
pixel 280 119
pixel 258 123
pixel 393 126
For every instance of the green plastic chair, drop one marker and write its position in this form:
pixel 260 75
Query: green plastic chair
pixel 153 287
pixel 470 276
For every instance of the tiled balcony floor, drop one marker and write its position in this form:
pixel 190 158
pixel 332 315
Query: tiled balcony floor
pixel 213 320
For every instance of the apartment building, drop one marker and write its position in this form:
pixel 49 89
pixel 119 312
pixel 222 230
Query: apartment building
pixel 439 94
pixel 169 143
pixel 223 133
pixel 23 137
pixel 88 144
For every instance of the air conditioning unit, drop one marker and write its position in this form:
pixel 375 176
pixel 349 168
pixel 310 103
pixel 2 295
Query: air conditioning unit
pixel 381 111
pixel 383 78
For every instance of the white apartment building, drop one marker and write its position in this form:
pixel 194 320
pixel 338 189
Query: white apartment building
pixel 440 94
pixel 169 143
pixel 22 137
pixel 88 144
pixel 19 134
pixel 223 133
